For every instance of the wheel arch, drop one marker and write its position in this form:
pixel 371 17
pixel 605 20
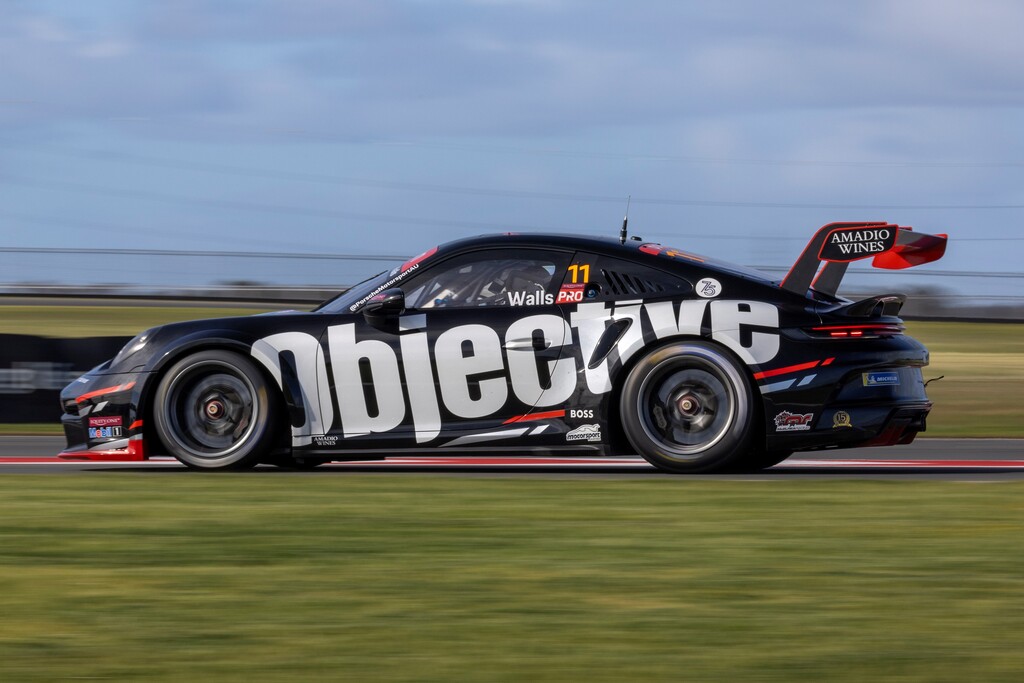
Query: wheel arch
pixel 220 340
pixel 618 438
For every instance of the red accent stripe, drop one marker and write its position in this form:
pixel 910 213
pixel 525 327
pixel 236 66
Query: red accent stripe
pixel 105 390
pixel 913 464
pixel 426 462
pixel 136 425
pixel 827 361
pixel 786 370
pixel 422 257
pixel 550 415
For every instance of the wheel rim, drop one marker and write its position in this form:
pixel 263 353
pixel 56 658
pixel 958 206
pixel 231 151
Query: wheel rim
pixel 687 405
pixel 210 409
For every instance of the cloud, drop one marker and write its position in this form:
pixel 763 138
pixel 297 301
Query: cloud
pixel 352 68
pixel 66 73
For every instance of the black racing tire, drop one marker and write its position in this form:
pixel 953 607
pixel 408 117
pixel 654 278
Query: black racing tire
pixel 214 410
pixel 688 407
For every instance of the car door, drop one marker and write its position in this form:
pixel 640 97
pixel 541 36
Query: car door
pixel 479 345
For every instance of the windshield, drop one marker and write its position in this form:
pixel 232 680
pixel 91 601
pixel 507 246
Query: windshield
pixel 351 295
pixel 352 299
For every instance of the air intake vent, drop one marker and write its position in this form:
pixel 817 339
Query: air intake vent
pixel 625 284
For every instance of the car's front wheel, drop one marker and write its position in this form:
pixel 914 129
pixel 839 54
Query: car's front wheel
pixel 688 407
pixel 213 410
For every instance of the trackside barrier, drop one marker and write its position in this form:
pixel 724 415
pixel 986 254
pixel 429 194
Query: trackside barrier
pixel 33 370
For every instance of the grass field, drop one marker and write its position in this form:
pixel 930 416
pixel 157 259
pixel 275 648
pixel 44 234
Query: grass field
pixel 981 394
pixel 299 578
pixel 102 321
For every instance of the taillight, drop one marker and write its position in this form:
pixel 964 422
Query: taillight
pixel 865 331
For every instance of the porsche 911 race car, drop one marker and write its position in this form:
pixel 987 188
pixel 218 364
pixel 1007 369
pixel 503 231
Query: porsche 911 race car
pixel 532 345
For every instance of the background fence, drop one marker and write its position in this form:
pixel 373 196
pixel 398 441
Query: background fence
pixel 306 278
pixel 33 370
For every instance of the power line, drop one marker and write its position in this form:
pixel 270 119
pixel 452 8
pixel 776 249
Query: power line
pixel 585 154
pixel 904 273
pixel 290 210
pixel 687 159
pixel 203 254
pixel 334 214
pixel 205 233
pixel 399 258
pixel 160 162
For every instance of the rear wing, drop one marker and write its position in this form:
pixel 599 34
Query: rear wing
pixel 838 244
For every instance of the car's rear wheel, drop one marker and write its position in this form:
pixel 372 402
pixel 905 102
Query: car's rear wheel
pixel 213 410
pixel 688 407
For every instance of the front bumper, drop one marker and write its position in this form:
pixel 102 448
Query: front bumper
pixel 101 418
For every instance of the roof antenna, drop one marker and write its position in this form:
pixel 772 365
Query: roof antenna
pixel 625 222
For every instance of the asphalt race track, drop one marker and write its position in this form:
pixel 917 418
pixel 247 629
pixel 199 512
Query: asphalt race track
pixel 949 459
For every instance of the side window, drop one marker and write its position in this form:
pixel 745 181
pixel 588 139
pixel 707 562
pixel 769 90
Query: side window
pixel 512 277
pixel 591 277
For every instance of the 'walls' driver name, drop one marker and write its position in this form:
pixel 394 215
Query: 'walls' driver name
pixel 537 298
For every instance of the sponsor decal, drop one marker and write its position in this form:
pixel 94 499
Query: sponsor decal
pixel 573 294
pixel 585 433
pixel 881 379
pixel 841 419
pixel 105 432
pixel 708 288
pixel 387 285
pixel 849 244
pixel 473 371
pixel 581 413
pixel 793 422
pixel 536 298
pixel 109 421
pixel 580 273
pixel 325 441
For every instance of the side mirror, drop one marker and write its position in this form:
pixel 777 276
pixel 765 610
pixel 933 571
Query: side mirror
pixel 389 303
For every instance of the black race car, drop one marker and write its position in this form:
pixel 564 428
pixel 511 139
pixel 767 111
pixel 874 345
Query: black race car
pixel 530 345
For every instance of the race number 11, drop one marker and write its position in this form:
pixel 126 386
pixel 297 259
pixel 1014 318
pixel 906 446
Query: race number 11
pixel 580 273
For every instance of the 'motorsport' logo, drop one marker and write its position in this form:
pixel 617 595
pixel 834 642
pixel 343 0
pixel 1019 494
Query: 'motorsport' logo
pixel 412 378
pixel 584 433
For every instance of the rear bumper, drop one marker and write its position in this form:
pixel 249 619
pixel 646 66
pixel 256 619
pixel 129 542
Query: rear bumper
pixel 858 426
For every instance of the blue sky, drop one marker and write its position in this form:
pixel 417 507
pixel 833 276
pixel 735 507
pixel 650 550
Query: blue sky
pixel 381 128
